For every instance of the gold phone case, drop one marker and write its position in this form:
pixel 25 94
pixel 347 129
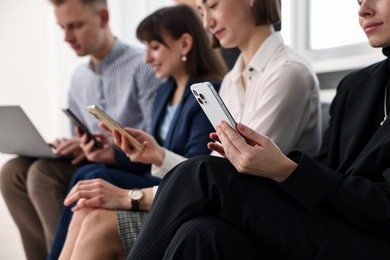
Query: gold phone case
pixel 110 123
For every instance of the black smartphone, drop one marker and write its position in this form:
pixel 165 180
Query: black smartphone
pixel 82 127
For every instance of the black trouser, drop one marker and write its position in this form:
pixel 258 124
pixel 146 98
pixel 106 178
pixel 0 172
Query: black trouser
pixel 265 218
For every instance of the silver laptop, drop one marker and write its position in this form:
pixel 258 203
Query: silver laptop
pixel 19 136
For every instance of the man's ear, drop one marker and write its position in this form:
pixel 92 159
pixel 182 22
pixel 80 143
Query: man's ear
pixel 104 14
pixel 186 43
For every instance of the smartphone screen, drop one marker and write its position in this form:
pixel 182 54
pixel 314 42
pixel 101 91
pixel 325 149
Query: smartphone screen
pixel 82 127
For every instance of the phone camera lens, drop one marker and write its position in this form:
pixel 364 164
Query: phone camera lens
pixel 200 101
pixel 195 92
pixel 201 96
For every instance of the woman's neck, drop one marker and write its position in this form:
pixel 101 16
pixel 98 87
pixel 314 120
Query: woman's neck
pixel 253 43
pixel 250 47
pixel 181 83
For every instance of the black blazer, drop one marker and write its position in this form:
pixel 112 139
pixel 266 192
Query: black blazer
pixel 352 189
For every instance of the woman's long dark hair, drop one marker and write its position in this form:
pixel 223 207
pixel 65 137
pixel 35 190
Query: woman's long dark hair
pixel 203 62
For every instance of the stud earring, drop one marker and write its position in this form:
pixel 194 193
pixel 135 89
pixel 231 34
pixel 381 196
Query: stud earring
pixel 184 58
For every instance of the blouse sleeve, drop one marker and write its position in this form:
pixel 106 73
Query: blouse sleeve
pixel 171 159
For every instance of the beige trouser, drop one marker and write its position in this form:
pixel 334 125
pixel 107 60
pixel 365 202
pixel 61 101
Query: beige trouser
pixel 34 191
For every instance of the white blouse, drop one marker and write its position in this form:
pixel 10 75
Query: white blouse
pixel 281 100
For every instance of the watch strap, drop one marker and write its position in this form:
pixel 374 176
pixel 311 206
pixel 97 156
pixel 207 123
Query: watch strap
pixel 135 205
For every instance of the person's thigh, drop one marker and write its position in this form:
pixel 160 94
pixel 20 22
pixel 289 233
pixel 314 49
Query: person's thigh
pixel 47 185
pixel 120 178
pixel 50 178
pixel 259 208
pixel 211 186
pixel 13 176
pixel 209 238
pixel 99 238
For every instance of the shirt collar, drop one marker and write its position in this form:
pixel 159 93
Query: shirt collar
pixel 262 56
pixel 116 51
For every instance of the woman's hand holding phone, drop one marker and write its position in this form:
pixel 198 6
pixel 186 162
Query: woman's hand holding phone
pixel 111 124
pixel 151 153
pixel 216 145
pixel 255 154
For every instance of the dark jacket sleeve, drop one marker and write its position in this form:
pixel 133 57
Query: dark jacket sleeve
pixel 354 199
pixel 123 162
pixel 350 178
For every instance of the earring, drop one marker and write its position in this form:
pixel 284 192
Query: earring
pixel 184 58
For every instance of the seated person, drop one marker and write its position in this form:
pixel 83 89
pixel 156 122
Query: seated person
pixel 182 53
pixel 113 77
pixel 278 82
pixel 259 203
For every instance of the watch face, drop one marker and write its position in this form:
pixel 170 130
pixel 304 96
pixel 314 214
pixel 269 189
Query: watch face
pixel 136 194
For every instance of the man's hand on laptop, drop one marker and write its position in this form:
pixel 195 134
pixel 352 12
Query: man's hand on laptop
pixel 69 147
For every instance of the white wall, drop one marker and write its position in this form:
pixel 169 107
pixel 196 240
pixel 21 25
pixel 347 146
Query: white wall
pixel 27 55
pixel 36 64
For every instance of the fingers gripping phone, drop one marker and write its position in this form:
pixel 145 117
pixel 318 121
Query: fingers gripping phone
pixel 212 104
pixel 111 124
pixel 83 128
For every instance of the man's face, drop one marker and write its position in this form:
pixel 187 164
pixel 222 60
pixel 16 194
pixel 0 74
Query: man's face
pixel 82 25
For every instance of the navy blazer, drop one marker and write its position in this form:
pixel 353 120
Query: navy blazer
pixel 352 189
pixel 188 133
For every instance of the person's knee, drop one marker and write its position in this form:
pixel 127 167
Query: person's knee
pixel 99 229
pixel 79 216
pixel 42 168
pixel 189 167
pixel 198 160
pixel 13 176
pixel 96 218
pixel 43 179
pixel 99 225
pixel 37 175
pixel 197 168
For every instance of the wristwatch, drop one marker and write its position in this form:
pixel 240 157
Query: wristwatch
pixel 135 196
